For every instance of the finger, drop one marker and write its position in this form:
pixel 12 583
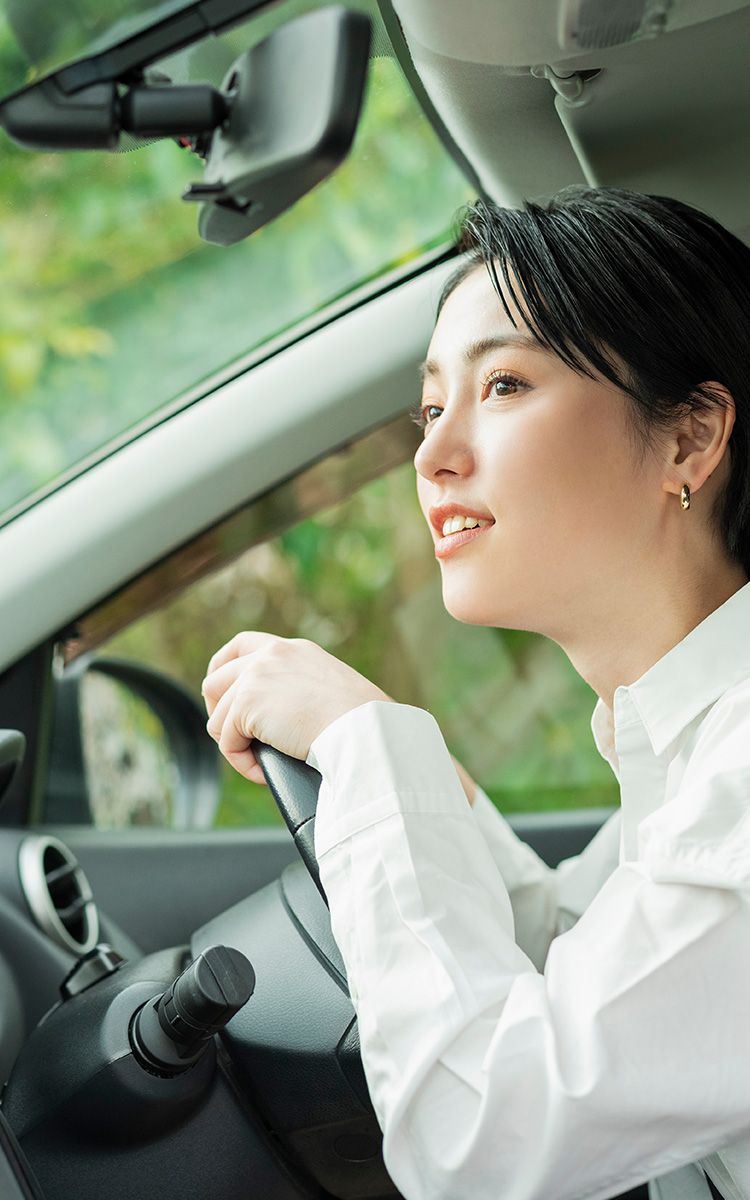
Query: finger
pixel 242 643
pixel 247 765
pixel 235 739
pixel 215 722
pixel 216 683
pixel 243 761
pixel 236 728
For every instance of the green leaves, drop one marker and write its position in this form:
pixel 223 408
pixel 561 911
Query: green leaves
pixel 98 253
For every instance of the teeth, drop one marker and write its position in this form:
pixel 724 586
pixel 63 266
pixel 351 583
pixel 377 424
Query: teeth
pixel 456 524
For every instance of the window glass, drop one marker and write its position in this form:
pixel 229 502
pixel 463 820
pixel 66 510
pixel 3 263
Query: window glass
pixel 38 36
pixel 111 307
pixel 361 580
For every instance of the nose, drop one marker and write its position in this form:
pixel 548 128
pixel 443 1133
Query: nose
pixel 446 447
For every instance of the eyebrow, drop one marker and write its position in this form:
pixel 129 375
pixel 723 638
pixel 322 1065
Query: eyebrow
pixel 478 349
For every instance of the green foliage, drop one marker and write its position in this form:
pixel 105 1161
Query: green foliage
pixel 111 306
pixel 361 580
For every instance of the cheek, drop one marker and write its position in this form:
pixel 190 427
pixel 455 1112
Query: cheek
pixel 596 468
pixel 423 496
pixel 562 470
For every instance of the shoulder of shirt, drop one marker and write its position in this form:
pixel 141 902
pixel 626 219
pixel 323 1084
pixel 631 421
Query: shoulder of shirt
pixel 724 726
pixel 702 833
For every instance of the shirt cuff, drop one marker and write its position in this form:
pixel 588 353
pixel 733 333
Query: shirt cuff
pixel 377 760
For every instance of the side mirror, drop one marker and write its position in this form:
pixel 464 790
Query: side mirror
pixel 129 746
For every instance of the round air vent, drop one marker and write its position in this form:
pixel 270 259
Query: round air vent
pixel 58 893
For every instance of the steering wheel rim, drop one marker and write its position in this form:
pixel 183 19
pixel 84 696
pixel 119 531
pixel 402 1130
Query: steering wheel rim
pixel 294 786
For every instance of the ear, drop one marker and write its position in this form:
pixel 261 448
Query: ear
pixel 696 448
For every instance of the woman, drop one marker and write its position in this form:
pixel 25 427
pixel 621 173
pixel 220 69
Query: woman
pixel 531 1034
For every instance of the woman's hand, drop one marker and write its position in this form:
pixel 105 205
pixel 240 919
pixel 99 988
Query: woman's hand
pixel 283 691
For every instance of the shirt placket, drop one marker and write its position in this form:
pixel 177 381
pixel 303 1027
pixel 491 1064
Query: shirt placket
pixel 643 774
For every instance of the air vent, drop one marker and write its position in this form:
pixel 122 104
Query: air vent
pixel 58 893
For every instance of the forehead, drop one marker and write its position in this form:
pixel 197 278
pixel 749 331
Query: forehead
pixel 471 317
pixel 473 311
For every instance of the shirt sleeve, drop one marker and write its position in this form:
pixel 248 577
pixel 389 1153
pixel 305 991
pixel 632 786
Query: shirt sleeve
pixel 545 900
pixel 616 1065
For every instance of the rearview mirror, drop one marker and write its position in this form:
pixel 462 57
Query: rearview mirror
pixel 294 103
pixel 285 117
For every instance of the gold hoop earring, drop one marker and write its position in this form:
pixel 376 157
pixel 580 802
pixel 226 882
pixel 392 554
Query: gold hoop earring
pixel 685 496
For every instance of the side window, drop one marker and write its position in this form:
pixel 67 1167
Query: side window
pixel 361 580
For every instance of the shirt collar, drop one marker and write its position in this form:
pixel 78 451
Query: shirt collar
pixel 687 679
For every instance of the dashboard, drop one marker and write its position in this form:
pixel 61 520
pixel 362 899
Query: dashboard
pixel 48 919
pixel 279 1097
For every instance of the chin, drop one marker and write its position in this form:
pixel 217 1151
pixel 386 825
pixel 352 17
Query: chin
pixel 472 605
pixel 463 606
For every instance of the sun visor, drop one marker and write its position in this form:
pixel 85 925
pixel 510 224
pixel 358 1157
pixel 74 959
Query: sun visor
pixel 670 117
pixel 649 94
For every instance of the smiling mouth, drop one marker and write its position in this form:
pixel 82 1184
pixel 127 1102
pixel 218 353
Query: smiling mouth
pixel 454 541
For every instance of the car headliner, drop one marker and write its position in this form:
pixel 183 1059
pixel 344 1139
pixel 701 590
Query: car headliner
pixel 665 114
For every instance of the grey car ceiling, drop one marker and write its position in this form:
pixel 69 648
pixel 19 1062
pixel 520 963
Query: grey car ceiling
pixel 666 114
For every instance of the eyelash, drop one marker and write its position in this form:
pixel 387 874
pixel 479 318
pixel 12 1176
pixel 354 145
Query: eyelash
pixel 418 410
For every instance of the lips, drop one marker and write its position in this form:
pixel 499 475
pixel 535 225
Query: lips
pixel 454 541
pixel 440 514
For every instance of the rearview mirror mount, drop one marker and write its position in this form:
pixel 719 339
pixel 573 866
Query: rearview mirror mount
pixel 294 103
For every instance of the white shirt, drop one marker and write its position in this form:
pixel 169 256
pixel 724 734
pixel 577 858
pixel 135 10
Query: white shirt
pixel 537 1034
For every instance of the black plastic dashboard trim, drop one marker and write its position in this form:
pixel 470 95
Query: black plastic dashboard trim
pixel 28 1188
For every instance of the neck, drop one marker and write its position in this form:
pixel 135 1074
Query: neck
pixel 620 647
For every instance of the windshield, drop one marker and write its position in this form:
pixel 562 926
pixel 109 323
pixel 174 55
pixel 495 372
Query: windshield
pixel 111 307
pixel 38 36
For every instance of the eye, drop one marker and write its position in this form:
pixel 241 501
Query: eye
pixel 500 384
pixel 421 414
pixel 497 386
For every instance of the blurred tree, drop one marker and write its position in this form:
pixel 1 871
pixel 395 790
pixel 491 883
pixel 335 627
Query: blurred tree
pixel 99 256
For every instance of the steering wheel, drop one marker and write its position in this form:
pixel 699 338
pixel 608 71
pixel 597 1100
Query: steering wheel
pixel 305 1039
pixel 295 786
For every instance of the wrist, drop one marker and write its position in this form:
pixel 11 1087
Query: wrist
pixel 341 710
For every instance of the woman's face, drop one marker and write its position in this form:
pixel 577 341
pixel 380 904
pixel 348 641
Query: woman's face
pixel 519 439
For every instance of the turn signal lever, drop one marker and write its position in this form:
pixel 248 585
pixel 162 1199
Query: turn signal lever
pixel 127 1057
pixel 171 1031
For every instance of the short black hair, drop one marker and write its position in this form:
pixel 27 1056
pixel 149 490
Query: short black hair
pixel 655 282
